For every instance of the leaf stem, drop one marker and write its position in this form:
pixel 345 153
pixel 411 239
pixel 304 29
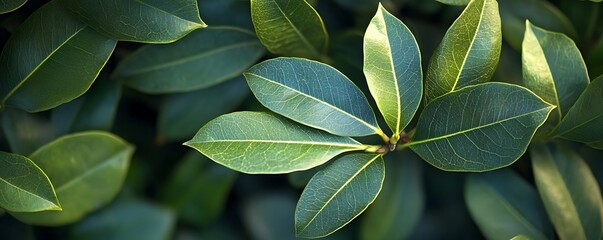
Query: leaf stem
pixel 381 149
pixel 383 136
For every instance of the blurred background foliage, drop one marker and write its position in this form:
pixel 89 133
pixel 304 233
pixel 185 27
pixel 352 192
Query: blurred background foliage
pixel 172 193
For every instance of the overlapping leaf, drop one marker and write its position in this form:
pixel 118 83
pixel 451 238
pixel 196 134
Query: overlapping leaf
pixel 338 194
pixel 569 190
pixel 26 132
pixel 87 170
pixel 10 5
pixel 313 94
pixel 584 121
pixel 514 202
pixel 150 21
pixel 289 27
pixel 24 187
pixel 479 128
pixel 392 65
pixel 52 59
pixel 455 2
pixel 254 142
pixel 553 68
pixel 469 52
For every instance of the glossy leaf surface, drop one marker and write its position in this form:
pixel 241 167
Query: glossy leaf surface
pixel 514 202
pixel 201 59
pixel 181 115
pixel 338 194
pixel 584 121
pixel 455 2
pixel 469 52
pixel 24 187
pixel 10 5
pixel 52 59
pixel 289 27
pixel 87 170
pixel 254 142
pixel 479 128
pixel 314 94
pixel 569 190
pixel 553 68
pixel 149 21
pixel 392 65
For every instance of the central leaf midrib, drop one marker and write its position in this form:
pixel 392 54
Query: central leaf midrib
pixel 166 12
pixel 92 170
pixel 395 76
pixel 299 34
pixel 28 192
pixel 318 100
pixel 479 23
pixel 333 144
pixel 474 128
pixel 344 185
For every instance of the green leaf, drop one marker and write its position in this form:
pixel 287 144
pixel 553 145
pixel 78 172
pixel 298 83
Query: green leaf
pixel 455 2
pixel 87 170
pixel 392 65
pixel 149 21
pixel 11 5
pixel 584 121
pixel 479 128
pixel 289 27
pixel 187 65
pixel 126 219
pixel 469 52
pixel 52 59
pixel 26 132
pixel 95 110
pixel 338 194
pixel 181 115
pixel 570 193
pixel 314 94
pixel 514 14
pixel 255 142
pixel 24 186
pixel 197 189
pixel 515 204
pixel 399 206
pixel 553 68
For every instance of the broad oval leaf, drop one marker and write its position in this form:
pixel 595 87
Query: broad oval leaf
pixel 10 5
pixel 469 52
pixel 584 121
pixel 455 2
pixel 87 170
pixel 181 115
pixel 149 21
pixel 314 94
pixel 52 59
pixel 338 194
pixel 289 27
pixel 24 187
pixel 392 65
pixel 514 202
pixel 569 190
pixel 201 59
pixel 553 68
pixel 400 204
pixel 256 142
pixel 479 128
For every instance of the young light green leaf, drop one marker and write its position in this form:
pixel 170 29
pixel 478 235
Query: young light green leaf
pixel 338 194
pixel 553 68
pixel 126 219
pixel 455 2
pixel 514 14
pixel 479 128
pixel 399 206
pixel 314 94
pixel 26 132
pixel 95 110
pixel 10 5
pixel 469 52
pixel 24 187
pixel 148 21
pixel 584 121
pixel 181 115
pixel 569 190
pixel 187 65
pixel 289 27
pixel 255 142
pixel 87 170
pixel 514 202
pixel 392 65
pixel 52 59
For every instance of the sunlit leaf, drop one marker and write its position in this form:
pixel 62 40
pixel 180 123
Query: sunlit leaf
pixel 455 2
